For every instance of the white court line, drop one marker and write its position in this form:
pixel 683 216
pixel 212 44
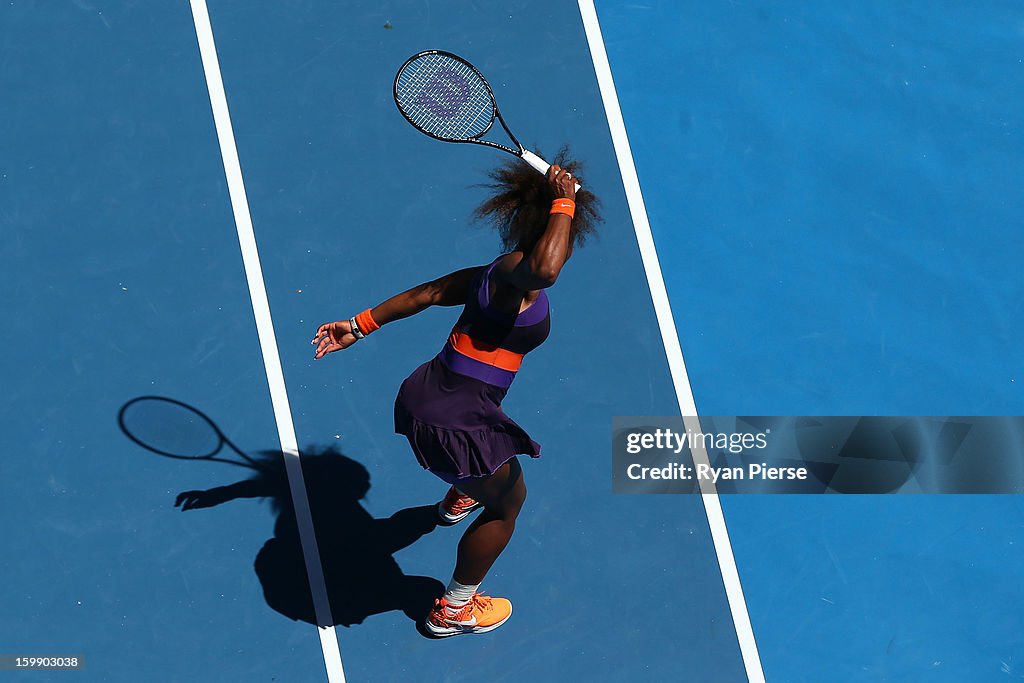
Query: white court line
pixel 268 342
pixel 684 394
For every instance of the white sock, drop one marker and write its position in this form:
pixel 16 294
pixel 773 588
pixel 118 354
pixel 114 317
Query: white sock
pixel 458 594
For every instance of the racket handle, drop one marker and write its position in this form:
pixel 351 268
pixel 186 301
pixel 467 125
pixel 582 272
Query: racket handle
pixel 539 164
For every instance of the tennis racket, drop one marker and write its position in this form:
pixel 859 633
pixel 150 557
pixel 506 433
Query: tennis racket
pixel 444 96
pixel 177 430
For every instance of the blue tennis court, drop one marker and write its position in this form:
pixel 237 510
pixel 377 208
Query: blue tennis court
pixel 818 205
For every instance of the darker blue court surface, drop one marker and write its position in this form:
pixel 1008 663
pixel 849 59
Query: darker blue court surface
pixel 834 195
pixel 123 279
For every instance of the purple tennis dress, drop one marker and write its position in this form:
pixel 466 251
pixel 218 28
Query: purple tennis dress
pixel 450 407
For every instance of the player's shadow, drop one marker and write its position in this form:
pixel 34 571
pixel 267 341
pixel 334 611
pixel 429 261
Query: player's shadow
pixel 356 549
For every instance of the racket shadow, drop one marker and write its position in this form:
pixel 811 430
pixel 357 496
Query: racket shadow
pixel 356 549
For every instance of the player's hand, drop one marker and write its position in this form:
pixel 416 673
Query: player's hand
pixel 331 337
pixel 194 500
pixel 562 182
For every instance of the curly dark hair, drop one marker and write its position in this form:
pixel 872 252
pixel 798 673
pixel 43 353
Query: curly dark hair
pixel 520 208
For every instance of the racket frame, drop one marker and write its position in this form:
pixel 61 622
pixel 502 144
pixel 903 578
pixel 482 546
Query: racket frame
pixel 526 155
pixel 495 111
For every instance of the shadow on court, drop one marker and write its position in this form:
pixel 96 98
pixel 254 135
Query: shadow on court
pixel 356 549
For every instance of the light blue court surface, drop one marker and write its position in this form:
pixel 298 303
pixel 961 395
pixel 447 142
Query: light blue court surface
pixel 833 192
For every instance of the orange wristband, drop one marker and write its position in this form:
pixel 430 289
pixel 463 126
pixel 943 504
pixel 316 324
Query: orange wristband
pixel 366 322
pixel 566 206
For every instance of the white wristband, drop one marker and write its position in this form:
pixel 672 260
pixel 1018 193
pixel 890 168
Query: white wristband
pixel 355 328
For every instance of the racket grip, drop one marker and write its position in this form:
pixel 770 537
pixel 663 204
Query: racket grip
pixel 539 164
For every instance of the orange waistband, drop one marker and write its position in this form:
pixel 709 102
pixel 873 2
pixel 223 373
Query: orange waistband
pixel 484 352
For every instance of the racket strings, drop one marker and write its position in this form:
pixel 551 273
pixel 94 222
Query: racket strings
pixel 445 97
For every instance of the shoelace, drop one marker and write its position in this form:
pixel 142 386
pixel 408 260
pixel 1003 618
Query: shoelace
pixel 482 601
pixel 479 600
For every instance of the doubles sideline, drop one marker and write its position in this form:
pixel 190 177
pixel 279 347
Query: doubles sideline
pixel 268 341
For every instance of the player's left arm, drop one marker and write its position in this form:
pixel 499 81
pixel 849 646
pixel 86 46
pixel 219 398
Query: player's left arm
pixel 448 290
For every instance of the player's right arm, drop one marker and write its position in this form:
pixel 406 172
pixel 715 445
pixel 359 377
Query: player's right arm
pixel 540 268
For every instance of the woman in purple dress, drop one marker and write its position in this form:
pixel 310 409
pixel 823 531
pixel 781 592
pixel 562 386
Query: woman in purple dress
pixel 450 407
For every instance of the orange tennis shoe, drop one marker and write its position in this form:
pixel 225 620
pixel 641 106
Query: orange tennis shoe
pixel 455 507
pixel 481 614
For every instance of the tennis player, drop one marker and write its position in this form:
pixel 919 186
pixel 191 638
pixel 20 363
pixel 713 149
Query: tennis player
pixel 450 407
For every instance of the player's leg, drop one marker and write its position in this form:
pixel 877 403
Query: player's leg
pixel 463 609
pixel 502 494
